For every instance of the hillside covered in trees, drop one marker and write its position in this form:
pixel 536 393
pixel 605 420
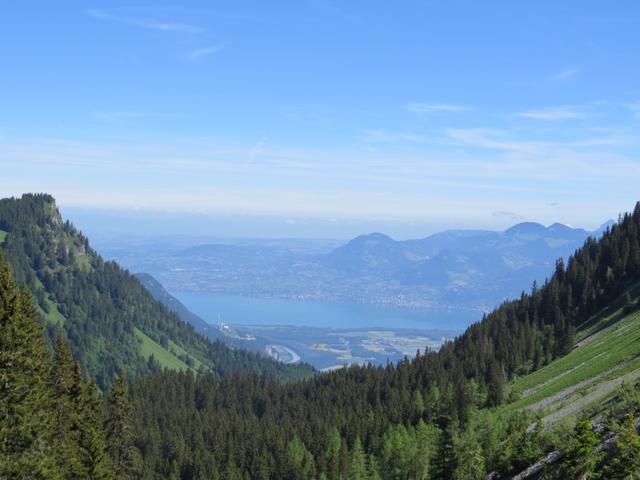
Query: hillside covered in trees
pixel 109 318
pixel 446 414
pixel 437 416
pixel 53 423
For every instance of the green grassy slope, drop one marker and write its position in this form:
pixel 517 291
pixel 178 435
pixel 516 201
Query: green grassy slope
pixel 53 316
pixel 606 355
pixel 165 358
pixel 170 357
pixel 180 352
pixel 3 235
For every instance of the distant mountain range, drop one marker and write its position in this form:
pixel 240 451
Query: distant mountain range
pixel 483 266
pixel 455 269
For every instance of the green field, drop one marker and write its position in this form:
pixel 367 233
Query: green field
pixel 178 350
pixel 3 235
pixel 607 355
pixel 83 262
pixel 164 357
pixel 54 316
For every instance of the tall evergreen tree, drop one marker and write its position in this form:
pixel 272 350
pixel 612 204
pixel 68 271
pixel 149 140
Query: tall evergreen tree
pixel 120 436
pixel 495 380
pixel 373 470
pixel 625 464
pixel 91 442
pixel 470 458
pixel 397 454
pixel 332 454
pixel 300 463
pixel 582 457
pixel 25 395
pixel 64 385
pixel 444 462
pixel 358 462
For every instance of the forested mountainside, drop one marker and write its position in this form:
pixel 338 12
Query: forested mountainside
pixel 442 415
pixel 469 410
pixel 360 423
pixel 109 318
pixel 158 292
pixel 53 424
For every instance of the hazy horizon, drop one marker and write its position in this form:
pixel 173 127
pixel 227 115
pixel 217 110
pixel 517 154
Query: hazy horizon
pixel 106 223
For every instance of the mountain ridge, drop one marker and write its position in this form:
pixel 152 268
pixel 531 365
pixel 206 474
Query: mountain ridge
pixel 110 319
pixel 449 269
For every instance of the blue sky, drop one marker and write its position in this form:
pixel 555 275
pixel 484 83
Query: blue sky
pixel 411 116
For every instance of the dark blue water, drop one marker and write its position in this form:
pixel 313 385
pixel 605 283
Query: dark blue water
pixel 239 310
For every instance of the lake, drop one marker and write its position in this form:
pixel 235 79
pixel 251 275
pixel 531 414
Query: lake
pixel 238 310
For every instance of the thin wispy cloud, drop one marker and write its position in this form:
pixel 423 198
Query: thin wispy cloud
pixel 118 116
pixel 145 23
pixel 553 114
pixel 566 74
pixel 382 136
pixel 634 108
pixel 174 27
pixel 199 53
pixel 257 148
pixel 418 107
pixel 491 139
pixel 494 139
pixel 298 181
pixel 507 214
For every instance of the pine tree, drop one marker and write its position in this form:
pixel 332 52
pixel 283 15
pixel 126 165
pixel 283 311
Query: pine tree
pixel 418 404
pixel 332 454
pixel 426 444
pixel 120 436
pixel 373 470
pixel 231 472
pixel 65 434
pixel 496 383
pixel 395 455
pixel 300 461
pixel 358 462
pixel 625 464
pixel 91 442
pixel 469 456
pixel 25 395
pixel 78 432
pixel 582 456
pixel 444 462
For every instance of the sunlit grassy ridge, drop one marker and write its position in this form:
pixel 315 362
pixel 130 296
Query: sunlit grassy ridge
pixel 607 354
pixel 177 350
pixel 53 315
pixel 165 358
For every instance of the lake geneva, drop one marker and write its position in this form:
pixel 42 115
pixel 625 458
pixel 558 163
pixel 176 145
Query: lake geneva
pixel 239 310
